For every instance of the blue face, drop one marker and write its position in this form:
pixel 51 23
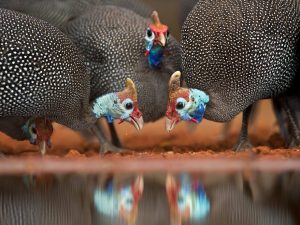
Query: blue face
pixel 194 109
pixel 112 108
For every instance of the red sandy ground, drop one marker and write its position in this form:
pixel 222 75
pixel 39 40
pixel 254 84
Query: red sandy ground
pixel 153 141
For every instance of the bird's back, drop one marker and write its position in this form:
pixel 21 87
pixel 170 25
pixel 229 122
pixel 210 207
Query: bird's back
pixel 108 37
pixel 59 13
pixel 42 72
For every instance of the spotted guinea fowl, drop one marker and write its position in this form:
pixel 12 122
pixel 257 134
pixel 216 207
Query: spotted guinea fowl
pixel 43 75
pixel 112 38
pixel 113 42
pixel 237 52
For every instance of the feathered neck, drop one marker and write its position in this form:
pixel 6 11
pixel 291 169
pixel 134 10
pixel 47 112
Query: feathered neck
pixel 106 106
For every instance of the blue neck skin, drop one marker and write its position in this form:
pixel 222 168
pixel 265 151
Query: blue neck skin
pixel 197 108
pixel 155 56
pixel 198 114
pixel 107 106
pixel 202 99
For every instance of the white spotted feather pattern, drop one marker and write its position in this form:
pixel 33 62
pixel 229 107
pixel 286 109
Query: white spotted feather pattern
pixel 41 71
pixel 240 51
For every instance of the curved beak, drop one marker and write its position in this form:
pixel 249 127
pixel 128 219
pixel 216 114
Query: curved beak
pixel 170 124
pixel 44 144
pixel 162 39
pixel 136 118
pixel 138 122
pixel 43 147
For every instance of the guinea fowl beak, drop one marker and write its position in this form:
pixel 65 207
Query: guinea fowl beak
pixel 44 131
pixel 170 124
pixel 43 147
pixel 138 122
pixel 136 118
pixel 162 39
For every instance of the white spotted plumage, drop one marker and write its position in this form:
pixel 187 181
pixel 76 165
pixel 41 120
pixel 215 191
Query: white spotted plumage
pixel 112 40
pixel 240 51
pixel 42 72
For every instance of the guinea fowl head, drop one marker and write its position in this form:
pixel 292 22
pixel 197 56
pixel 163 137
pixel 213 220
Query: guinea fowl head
pixel 39 131
pixel 157 37
pixel 184 103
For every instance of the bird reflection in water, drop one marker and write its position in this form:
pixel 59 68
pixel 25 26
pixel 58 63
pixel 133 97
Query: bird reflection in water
pixel 187 199
pixel 160 199
pixel 119 201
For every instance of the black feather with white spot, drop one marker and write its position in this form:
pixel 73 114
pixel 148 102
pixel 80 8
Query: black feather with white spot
pixel 41 72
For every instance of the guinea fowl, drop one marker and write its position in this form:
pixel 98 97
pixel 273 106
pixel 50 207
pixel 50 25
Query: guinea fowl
pixel 37 131
pixel 237 52
pixel 112 39
pixel 43 75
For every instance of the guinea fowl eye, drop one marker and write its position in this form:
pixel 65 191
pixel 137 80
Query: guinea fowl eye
pixel 180 105
pixel 149 33
pixel 129 105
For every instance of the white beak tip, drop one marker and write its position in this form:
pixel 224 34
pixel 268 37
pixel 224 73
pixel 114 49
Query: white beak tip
pixel 43 148
pixel 170 125
pixel 138 122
